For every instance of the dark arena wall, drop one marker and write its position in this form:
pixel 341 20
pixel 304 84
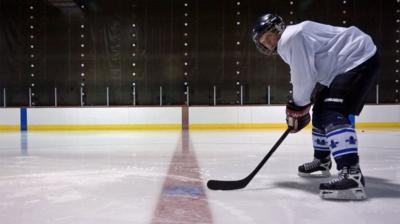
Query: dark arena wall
pixel 167 52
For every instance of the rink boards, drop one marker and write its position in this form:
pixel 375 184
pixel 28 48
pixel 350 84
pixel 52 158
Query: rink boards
pixel 170 118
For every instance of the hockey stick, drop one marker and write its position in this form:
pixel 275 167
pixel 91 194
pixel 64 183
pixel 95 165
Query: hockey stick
pixel 239 184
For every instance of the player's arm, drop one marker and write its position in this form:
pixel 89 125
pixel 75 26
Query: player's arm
pixel 303 79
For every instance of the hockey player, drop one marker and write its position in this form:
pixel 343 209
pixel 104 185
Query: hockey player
pixel 332 68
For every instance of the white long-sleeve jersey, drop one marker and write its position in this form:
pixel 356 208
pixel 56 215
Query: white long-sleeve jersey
pixel 317 53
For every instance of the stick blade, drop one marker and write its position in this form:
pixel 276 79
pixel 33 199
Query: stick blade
pixel 226 185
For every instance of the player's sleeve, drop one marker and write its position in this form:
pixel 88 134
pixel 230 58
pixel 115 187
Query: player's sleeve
pixel 302 69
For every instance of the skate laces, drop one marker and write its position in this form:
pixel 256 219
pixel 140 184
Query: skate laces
pixel 343 174
pixel 313 164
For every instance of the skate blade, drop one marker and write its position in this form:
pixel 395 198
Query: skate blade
pixel 317 174
pixel 355 194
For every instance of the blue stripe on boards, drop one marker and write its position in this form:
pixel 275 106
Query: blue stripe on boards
pixel 24 119
pixel 340 132
pixel 345 151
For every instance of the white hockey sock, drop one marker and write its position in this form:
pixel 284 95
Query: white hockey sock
pixel 342 141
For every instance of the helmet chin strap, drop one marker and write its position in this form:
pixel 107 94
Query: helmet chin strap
pixel 275 50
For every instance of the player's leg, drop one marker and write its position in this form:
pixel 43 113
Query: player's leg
pixel 321 163
pixel 342 140
pixel 346 95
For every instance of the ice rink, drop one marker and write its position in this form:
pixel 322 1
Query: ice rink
pixel 160 177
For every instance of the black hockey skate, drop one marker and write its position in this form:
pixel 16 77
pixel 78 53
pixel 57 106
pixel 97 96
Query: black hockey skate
pixel 349 185
pixel 316 168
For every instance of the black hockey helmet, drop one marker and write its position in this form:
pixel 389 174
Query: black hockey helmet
pixel 266 22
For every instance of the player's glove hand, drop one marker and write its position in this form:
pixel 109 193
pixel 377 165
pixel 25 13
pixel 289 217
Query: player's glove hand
pixel 297 117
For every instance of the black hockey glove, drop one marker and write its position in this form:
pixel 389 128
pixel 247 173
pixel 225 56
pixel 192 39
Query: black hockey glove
pixel 297 117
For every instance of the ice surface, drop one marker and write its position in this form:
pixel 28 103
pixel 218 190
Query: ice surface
pixel 125 177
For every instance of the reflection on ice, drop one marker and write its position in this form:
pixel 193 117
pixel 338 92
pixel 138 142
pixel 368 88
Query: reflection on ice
pixel 123 177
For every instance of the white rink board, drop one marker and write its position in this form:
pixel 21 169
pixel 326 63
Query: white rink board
pixel 10 116
pixel 237 115
pixel 276 114
pixel 104 116
pixel 379 113
pixel 173 115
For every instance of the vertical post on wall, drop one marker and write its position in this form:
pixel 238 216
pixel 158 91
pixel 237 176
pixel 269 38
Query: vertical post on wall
pixel 30 97
pixel 81 93
pixel 241 95
pixel 269 94
pixel 215 95
pixel 4 97
pixel 55 96
pixel 161 96
pixel 134 95
pixel 108 96
pixel 377 93
pixel 187 96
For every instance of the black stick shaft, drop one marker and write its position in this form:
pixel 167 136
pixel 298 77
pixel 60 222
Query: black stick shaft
pixel 238 184
pixel 261 164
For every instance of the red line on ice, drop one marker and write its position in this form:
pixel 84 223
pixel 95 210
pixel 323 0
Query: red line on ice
pixel 183 199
